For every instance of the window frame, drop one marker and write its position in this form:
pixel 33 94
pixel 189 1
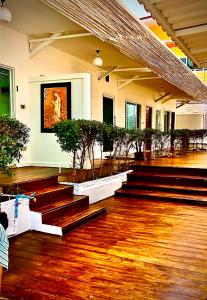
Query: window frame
pixel 11 88
pixel 136 117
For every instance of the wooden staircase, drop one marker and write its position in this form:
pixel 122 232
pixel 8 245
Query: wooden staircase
pixel 188 185
pixel 56 206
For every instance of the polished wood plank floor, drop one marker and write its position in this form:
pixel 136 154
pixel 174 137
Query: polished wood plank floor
pixel 28 173
pixel 140 250
pixel 195 159
pixel 191 160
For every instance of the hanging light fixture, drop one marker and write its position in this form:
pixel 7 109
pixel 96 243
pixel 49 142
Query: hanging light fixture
pixel 162 91
pixel 5 14
pixel 98 62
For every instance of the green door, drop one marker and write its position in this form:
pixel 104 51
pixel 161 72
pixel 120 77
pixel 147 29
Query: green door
pixel 108 117
pixel 4 92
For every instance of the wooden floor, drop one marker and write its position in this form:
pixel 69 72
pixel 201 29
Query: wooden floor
pixel 192 160
pixel 139 250
pixel 196 160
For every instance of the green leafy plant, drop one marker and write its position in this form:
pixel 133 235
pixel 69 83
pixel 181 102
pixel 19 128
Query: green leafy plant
pixel 91 131
pixel 14 135
pixel 69 137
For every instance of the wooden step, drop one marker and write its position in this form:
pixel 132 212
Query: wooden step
pixel 170 170
pixel 50 194
pixel 51 213
pixel 31 184
pixel 176 179
pixel 164 196
pixel 70 222
pixel 143 185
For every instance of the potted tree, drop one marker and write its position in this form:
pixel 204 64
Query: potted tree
pixel 138 137
pixel 148 139
pixel 14 135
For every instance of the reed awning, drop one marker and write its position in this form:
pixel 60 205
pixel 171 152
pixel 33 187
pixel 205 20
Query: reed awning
pixel 111 22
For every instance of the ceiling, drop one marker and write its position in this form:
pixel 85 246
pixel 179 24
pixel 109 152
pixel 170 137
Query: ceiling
pixel 185 22
pixel 42 21
pixel 35 19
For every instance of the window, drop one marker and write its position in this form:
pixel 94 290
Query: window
pixel 6 90
pixel 158 120
pixel 107 78
pixel 187 62
pixel 167 121
pixel 132 115
pixel 184 60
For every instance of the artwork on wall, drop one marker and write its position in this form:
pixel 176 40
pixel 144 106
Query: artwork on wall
pixel 55 104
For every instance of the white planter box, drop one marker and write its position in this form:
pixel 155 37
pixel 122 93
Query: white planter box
pixel 22 224
pixel 99 189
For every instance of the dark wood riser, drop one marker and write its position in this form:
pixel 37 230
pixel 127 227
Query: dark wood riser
pixel 192 190
pixel 160 198
pixel 170 170
pixel 81 221
pixel 32 185
pixel 166 184
pixel 51 196
pixel 168 180
pixel 69 209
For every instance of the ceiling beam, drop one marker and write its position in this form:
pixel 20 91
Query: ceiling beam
pixel 191 30
pixel 128 81
pixel 104 74
pixel 169 97
pixel 60 37
pixel 139 79
pixel 197 51
pixel 161 97
pixel 40 47
pixel 156 13
pixel 155 1
pixel 133 69
pixel 184 103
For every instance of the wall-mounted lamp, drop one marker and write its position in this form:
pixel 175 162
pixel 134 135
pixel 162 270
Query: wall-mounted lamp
pixel 98 62
pixel 5 14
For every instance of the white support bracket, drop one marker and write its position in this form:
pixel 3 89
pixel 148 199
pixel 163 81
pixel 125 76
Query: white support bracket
pixel 127 82
pixel 141 78
pixel 133 69
pixel 109 71
pixel 43 45
pixel 44 42
pixel 161 97
pixel 182 104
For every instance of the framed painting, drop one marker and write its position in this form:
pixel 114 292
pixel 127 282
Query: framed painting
pixel 55 104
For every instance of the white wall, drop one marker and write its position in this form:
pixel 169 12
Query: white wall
pixel 54 63
pixel 189 121
pixel 44 148
pixel 191 116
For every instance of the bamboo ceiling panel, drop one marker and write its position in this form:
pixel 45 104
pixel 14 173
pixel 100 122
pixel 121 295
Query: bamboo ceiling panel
pixel 112 23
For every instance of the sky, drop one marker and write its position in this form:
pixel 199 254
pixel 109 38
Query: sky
pixel 136 8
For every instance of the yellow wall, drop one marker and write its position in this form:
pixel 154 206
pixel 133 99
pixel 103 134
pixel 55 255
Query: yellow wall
pixel 202 75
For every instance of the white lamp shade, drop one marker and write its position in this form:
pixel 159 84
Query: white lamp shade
pixel 98 62
pixel 5 14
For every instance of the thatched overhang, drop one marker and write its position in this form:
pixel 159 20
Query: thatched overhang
pixel 110 21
